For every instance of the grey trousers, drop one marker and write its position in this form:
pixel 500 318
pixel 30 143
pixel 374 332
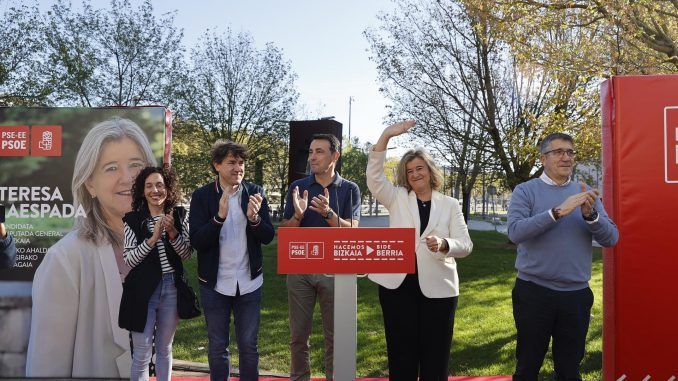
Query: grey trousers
pixel 302 292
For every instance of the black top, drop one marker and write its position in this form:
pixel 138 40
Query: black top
pixel 424 214
pixel 144 278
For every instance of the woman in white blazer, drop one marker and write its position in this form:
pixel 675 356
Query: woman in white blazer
pixel 419 308
pixel 78 286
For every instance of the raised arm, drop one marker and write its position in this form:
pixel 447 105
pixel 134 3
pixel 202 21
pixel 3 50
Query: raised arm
pixel 377 182
pixel 391 132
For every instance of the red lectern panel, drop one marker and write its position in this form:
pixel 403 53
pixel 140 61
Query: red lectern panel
pixel 345 250
pixel 640 146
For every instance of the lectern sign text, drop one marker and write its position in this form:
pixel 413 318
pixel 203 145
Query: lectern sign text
pixel 345 250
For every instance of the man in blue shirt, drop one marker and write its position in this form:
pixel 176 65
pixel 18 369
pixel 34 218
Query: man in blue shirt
pixel 553 221
pixel 323 199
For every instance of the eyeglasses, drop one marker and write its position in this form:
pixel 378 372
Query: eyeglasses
pixel 560 152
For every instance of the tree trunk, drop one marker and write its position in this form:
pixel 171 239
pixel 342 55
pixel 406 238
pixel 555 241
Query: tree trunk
pixel 466 204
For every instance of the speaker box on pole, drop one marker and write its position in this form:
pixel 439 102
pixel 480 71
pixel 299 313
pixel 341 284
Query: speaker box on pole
pixel 301 134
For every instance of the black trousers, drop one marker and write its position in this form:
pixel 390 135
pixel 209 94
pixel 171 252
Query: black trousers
pixel 541 314
pixel 418 332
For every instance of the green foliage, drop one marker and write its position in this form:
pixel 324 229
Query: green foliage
pixel 611 37
pixel 191 154
pixel 276 165
pixel 478 103
pixel 125 55
pixel 21 82
pixel 120 56
pixel 354 164
pixel 234 91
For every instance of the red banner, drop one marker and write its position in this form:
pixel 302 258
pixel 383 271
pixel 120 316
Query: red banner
pixel 640 142
pixel 345 250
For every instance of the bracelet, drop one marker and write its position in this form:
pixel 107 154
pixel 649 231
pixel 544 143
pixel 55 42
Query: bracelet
pixel 555 212
pixel 297 218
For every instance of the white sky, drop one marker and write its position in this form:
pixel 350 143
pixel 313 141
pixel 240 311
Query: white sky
pixel 323 39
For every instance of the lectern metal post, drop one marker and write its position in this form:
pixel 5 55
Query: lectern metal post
pixel 345 326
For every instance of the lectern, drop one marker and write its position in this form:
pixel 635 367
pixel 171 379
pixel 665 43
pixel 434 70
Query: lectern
pixel 345 252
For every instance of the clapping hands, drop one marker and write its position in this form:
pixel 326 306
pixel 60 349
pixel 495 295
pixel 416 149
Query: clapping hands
pixel 585 199
pixel 300 203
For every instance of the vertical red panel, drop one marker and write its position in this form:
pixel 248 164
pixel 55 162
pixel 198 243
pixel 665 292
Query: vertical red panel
pixel 639 146
pixel 608 128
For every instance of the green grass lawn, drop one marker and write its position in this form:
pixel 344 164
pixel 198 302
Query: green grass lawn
pixel 484 334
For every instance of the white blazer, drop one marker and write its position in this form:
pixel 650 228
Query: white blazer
pixel 74 322
pixel 437 271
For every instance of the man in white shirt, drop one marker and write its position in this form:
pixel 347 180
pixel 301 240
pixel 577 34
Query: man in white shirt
pixel 229 220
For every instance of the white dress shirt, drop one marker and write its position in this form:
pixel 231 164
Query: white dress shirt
pixel 234 263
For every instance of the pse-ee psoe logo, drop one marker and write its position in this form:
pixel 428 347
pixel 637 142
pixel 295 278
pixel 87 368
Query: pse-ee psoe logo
pixel 16 141
pixel 671 144
pixel 307 250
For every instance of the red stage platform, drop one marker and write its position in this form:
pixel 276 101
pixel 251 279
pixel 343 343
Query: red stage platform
pixel 454 378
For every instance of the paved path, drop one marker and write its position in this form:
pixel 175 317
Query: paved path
pixel 382 221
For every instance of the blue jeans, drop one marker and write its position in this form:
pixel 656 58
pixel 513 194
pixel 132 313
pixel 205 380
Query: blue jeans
pixel 246 311
pixel 162 314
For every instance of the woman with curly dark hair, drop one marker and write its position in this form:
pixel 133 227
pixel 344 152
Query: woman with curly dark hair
pixel 156 241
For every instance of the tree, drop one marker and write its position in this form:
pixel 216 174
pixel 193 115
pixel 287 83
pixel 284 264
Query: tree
pixel 20 45
pixel 626 36
pixel 190 158
pixel 353 165
pixel 444 64
pixel 120 56
pixel 277 156
pixel 233 91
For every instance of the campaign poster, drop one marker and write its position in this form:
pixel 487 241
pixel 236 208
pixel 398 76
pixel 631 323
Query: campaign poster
pixel 38 148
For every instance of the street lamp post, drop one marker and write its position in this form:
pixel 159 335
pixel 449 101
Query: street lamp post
pixel 350 100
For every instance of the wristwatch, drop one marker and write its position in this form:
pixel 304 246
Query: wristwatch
pixel 329 215
pixel 592 216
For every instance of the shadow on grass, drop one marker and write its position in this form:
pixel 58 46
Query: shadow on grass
pixel 467 358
